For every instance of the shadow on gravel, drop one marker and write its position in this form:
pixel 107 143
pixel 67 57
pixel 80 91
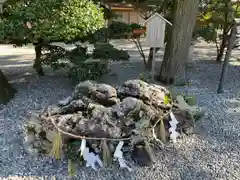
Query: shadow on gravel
pixel 205 73
pixel 15 65
pixel 15 59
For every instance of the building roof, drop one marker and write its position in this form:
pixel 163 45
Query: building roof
pixel 2 1
pixel 120 7
pixel 156 14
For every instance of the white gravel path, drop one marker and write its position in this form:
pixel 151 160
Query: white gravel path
pixel 214 153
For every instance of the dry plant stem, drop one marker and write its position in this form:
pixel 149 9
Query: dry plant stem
pixel 56 149
pixel 139 47
pixel 163 146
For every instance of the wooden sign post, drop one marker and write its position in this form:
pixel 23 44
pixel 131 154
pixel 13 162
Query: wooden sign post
pixel 1 5
pixel 155 34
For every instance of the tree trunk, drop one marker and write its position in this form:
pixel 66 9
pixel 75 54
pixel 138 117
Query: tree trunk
pixel 176 52
pixel 221 50
pixel 6 90
pixel 37 63
pixel 227 57
pixel 225 34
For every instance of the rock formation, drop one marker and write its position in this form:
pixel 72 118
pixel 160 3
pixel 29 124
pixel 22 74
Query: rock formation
pixel 102 111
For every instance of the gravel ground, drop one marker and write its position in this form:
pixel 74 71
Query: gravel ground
pixel 213 153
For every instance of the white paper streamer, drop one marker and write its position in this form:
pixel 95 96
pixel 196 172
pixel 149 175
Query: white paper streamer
pixel 119 155
pixel 83 146
pixel 90 158
pixel 172 130
pixel 66 101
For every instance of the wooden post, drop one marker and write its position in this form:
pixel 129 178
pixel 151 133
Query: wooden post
pixel 1 6
pixel 227 57
pixel 153 64
pixel 129 16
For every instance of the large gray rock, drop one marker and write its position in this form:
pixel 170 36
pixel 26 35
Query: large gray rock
pixel 150 94
pixel 105 94
pixel 84 89
pixel 106 91
pixel 131 88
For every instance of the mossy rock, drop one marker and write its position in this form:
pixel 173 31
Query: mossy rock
pixel 191 100
pixel 173 92
pixel 199 115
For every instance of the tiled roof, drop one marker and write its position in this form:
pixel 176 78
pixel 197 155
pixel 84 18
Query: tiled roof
pixel 2 1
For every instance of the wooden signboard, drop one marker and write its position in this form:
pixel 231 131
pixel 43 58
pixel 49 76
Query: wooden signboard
pixel 1 4
pixel 155 34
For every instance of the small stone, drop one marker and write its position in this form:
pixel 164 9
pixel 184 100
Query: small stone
pixel 33 122
pixel 141 113
pixel 75 119
pixel 128 122
pixel 65 101
pixel 46 146
pixel 50 135
pixel 68 128
pixel 31 150
pixel 29 139
pixel 54 110
pixel 37 144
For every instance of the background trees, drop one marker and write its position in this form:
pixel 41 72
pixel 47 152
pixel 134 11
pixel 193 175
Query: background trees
pixel 215 20
pixel 44 21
